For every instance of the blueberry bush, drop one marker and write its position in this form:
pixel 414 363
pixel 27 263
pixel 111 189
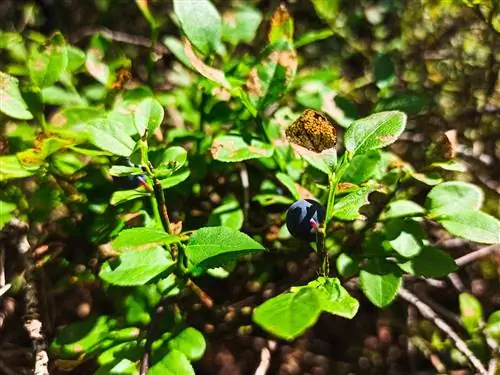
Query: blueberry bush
pixel 226 170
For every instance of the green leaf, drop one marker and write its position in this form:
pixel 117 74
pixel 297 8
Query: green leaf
pixel 346 266
pixel 228 214
pixel 374 132
pixel 380 281
pixel 11 102
pixel 177 48
pixel 94 62
pixel 189 341
pixel 362 167
pixel 168 160
pixel 136 267
pixel 143 238
pixel 233 148
pixel 174 363
pixel 46 67
pixel 472 225
pixel 175 179
pixel 454 196
pixel 326 9
pixel 471 312
pixel 11 168
pixel 270 199
pixel 76 58
pixel 148 115
pixel 402 208
pixel 123 196
pixel 409 102
pixel 81 337
pixel 313 36
pixel 55 95
pixel 215 246
pixel 384 70
pixel 492 328
pixel 347 207
pixel 334 299
pixel 289 314
pixel 406 236
pixel 240 25
pixel 122 170
pixel 108 135
pixel 430 262
pixel 200 22
pixel 289 184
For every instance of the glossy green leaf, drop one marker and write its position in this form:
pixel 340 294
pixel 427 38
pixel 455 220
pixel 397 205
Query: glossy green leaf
pixel 289 314
pixel 374 132
pixel 136 267
pixel 189 341
pixel 362 167
pixel 454 196
pixel 240 25
pixel 11 102
pixel 168 160
pixel 214 246
pixel 471 312
pixel 148 115
pixel 174 363
pixel 347 207
pixel 233 148
pixel 334 299
pixel 108 135
pixel 175 179
pixel 402 208
pixel 380 281
pixel 142 238
pixel 472 225
pixel 228 214
pixel 405 236
pixel 430 262
pixel 46 66
pixel 200 22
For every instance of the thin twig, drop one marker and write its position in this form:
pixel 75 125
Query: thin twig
pixel 428 313
pixel 119 36
pixel 151 335
pixel 202 295
pixel 265 361
pixel 475 255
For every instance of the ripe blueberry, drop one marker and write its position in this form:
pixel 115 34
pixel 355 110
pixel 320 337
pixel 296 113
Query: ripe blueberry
pixel 303 217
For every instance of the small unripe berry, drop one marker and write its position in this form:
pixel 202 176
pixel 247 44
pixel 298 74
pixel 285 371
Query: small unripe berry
pixel 304 217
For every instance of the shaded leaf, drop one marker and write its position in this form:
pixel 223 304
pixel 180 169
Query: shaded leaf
pixel 430 262
pixel 380 281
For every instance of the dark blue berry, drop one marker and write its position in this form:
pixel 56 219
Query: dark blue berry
pixel 303 217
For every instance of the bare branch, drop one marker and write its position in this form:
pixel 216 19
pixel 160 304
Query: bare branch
pixel 428 313
pixel 475 255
